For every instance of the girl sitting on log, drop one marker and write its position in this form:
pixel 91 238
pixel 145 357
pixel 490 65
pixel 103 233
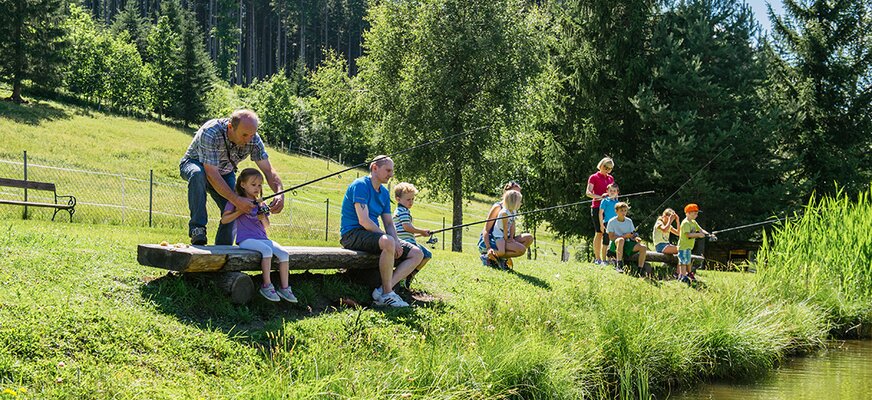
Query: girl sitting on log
pixel 251 234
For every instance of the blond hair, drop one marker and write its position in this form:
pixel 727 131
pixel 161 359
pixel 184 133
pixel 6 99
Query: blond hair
pixel 512 200
pixel 404 188
pixel 666 212
pixel 622 205
pixel 607 161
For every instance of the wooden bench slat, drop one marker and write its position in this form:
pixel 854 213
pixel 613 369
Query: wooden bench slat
pixel 233 258
pixel 34 204
pixel 654 256
pixel 27 184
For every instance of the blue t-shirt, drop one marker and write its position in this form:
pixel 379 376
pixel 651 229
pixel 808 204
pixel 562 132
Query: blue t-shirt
pixel 608 206
pixel 361 191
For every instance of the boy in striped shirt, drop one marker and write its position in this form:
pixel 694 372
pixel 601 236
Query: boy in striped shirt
pixel 405 194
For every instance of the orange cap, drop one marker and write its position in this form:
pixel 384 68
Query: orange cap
pixel 692 207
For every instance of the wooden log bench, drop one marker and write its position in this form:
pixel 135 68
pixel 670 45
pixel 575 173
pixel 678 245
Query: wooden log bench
pixel 226 263
pixel 667 259
pixel 68 205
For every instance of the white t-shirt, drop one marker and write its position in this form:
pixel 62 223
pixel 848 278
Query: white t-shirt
pixel 498 224
pixel 620 228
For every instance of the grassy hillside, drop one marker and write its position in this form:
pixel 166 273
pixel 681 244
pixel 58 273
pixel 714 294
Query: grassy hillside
pixel 65 144
pixel 79 318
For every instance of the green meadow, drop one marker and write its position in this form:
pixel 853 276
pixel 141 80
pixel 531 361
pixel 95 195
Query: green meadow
pixel 80 318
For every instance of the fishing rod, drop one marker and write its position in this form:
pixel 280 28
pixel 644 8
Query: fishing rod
pixel 433 239
pixel 771 221
pixel 685 183
pixel 434 141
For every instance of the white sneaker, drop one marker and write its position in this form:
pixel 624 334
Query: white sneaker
pixel 287 294
pixel 270 293
pixel 377 293
pixel 391 299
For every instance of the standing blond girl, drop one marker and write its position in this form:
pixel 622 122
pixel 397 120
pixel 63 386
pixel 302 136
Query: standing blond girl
pixel 251 234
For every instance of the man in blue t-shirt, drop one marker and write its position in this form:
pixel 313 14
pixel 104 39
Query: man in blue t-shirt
pixel 365 201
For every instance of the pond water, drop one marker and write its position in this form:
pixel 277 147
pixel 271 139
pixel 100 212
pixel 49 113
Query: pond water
pixel 842 371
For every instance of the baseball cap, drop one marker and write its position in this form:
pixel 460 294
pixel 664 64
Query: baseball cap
pixel 692 207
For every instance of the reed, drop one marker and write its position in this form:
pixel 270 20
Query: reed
pixel 824 256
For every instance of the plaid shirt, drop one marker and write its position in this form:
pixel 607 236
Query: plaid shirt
pixel 210 147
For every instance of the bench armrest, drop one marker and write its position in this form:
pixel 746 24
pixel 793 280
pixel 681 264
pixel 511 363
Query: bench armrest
pixel 71 201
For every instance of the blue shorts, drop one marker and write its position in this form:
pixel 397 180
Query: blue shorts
pixel 481 247
pixel 684 257
pixel 427 253
pixel 659 247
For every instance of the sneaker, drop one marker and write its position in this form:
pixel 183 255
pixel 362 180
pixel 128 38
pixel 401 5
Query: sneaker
pixel 484 260
pixel 619 266
pixel 270 293
pixel 391 299
pixel 377 293
pixel 198 236
pixel 597 262
pixel 287 294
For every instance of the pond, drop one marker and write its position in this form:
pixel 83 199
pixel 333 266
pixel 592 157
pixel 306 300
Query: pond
pixel 842 371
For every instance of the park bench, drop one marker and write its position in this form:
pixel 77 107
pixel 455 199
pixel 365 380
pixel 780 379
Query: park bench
pixel 224 264
pixel 666 259
pixel 68 206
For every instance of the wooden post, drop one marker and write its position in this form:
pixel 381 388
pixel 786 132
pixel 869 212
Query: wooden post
pixel 327 220
pixel 150 195
pixel 24 216
pixel 443 233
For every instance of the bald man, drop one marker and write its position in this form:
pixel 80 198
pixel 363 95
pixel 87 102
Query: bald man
pixel 209 166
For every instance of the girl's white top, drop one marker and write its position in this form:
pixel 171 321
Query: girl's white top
pixel 498 224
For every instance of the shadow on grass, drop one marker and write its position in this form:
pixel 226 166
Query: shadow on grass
pixel 33 113
pixel 196 299
pixel 539 283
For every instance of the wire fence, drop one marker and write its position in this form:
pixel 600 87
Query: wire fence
pixel 141 199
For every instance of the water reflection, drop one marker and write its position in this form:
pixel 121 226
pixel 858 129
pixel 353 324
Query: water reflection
pixel 843 371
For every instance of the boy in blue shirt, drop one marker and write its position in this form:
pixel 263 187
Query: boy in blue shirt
pixel 607 212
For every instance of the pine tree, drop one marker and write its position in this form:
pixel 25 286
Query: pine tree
pixel 195 73
pixel 129 20
pixel 33 43
pixel 164 48
pixel 820 67
pixel 226 33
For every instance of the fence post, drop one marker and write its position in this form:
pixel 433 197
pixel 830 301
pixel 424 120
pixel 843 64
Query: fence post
pixel 24 216
pixel 327 220
pixel 150 195
pixel 123 207
pixel 443 233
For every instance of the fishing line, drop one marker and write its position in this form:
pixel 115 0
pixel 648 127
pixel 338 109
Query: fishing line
pixel 685 183
pixel 433 239
pixel 771 221
pixel 434 141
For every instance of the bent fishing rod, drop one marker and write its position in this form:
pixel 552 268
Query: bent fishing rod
pixel 406 150
pixel 686 182
pixel 525 213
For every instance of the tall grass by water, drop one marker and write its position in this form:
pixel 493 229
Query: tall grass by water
pixel 825 256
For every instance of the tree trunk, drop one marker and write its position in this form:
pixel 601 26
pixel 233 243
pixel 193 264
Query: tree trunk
pixel 457 197
pixel 16 92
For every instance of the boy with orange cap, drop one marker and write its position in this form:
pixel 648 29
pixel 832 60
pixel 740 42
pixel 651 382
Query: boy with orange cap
pixel 688 233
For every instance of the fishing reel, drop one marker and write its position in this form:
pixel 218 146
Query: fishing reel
pixel 432 240
pixel 712 238
pixel 263 209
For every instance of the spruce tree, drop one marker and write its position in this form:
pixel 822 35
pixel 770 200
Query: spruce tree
pixel 33 43
pixel 129 20
pixel 163 53
pixel 195 73
pixel 820 67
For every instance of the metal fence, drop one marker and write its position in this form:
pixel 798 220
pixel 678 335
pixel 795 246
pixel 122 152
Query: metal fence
pixel 139 198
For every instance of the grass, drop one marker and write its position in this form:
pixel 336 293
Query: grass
pixel 825 257
pixel 57 136
pixel 81 319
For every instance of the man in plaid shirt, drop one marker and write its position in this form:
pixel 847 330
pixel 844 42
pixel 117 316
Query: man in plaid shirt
pixel 209 166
